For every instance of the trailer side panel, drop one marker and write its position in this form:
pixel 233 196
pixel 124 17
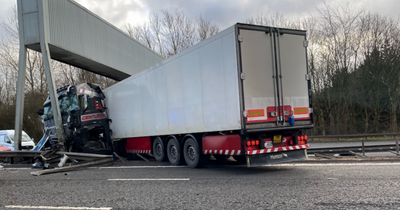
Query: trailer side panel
pixel 193 91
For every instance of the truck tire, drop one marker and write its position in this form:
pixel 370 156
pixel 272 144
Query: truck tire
pixel 174 152
pixel 159 150
pixel 192 153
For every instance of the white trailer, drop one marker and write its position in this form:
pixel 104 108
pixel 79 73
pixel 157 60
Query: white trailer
pixel 243 92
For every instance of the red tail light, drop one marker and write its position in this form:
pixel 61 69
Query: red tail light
pixel 257 142
pixel 301 139
pixel 253 143
pixel 248 143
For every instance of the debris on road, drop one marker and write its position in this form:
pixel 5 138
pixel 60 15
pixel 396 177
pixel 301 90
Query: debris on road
pixel 103 161
pixel 75 160
pixel 53 161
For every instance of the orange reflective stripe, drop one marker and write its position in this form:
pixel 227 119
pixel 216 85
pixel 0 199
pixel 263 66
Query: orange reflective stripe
pixel 256 113
pixel 300 110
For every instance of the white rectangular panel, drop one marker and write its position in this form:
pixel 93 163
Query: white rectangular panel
pixel 212 76
pixel 29 6
pixel 160 101
pixel 31 28
pixel 294 69
pixel 174 101
pixel 231 78
pixel 193 91
pixel 258 69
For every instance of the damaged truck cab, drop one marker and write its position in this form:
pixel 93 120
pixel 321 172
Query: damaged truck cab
pixel 84 120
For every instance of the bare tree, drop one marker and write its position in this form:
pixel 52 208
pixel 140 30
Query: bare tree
pixel 169 33
pixel 273 20
pixel 205 28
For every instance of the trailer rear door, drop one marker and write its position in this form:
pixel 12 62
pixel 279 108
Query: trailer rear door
pixel 293 68
pixel 274 82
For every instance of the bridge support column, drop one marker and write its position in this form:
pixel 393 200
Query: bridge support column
pixel 44 47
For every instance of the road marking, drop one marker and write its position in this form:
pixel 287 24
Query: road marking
pixel 332 179
pixel 165 179
pixel 6 169
pixel 58 207
pixel 109 167
pixel 128 167
pixel 335 164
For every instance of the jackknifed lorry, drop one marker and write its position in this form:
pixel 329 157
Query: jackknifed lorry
pixel 244 92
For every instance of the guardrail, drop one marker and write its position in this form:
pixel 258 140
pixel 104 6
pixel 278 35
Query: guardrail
pixel 22 154
pixel 353 149
pixel 362 136
pixel 363 148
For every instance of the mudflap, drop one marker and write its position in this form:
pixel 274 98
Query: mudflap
pixel 276 157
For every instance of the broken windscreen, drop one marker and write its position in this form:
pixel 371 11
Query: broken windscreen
pixel 67 103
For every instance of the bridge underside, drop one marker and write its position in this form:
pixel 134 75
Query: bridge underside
pixel 82 62
pixel 78 37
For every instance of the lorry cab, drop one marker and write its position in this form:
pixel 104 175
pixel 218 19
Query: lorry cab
pixel 7 140
pixel 84 119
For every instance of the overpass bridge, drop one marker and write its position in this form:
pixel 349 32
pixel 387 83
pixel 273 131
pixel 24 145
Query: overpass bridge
pixel 78 37
pixel 67 32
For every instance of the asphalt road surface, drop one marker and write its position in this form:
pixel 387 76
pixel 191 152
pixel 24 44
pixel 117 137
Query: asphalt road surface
pixel 141 185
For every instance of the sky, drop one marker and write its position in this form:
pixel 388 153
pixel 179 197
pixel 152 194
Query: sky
pixel 224 13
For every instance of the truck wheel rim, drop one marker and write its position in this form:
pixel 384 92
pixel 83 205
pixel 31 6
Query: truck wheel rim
pixel 191 153
pixel 174 152
pixel 158 149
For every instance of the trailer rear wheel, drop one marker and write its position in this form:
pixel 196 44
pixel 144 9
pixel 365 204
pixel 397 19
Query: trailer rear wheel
pixel 192 154
pixel 174 152
pixel 159 150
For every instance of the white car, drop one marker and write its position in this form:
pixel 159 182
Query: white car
pixel 7 140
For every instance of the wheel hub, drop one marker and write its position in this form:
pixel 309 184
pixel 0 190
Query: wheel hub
pixel 191 153
pixel 159 149
pixel 174 152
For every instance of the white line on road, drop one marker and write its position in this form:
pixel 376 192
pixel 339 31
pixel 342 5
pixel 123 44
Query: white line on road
pixel 165 179
pixel 7 169
pixel 124 167
pixel 58 207
pixel 336 164
pixel 107 167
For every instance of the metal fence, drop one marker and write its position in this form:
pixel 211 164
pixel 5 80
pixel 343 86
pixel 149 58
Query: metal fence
pixel 362 138
pixel 354 136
